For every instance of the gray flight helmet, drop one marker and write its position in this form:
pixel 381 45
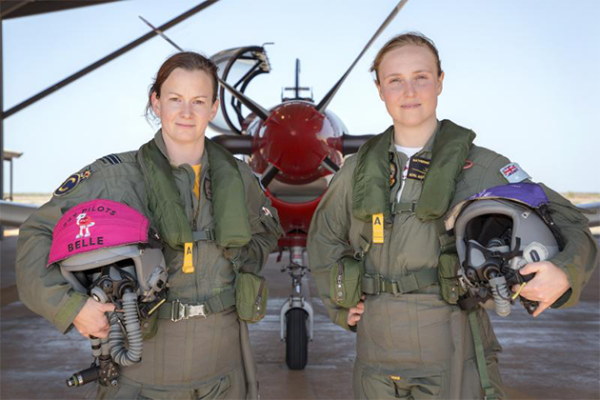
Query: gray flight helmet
pixel 147 265
pixel 486 219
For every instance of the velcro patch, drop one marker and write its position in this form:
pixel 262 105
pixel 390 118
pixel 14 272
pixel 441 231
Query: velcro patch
pixel 417 168
pixel 72 182
pixel 513 173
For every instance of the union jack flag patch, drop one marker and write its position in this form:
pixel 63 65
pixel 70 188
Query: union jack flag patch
pixel 513 173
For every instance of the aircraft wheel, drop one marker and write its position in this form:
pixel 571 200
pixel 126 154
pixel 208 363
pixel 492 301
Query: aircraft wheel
pixel 296 343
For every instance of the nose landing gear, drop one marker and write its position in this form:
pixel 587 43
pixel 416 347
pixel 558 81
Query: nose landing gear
pixel 296 316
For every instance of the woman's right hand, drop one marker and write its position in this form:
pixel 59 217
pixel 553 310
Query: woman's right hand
pixel 92 321
pixel 355 313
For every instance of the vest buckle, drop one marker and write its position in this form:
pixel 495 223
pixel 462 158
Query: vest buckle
pixel 181 311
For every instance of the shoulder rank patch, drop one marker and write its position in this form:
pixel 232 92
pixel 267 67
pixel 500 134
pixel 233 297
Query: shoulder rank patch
pixel 111 159
pixel 72 182
pixel 417 168
pixel 513 173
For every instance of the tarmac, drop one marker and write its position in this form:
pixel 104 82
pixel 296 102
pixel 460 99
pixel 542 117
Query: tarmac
pixel 555 356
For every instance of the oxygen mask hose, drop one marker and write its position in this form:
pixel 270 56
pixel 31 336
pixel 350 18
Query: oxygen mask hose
pixel 501 295
pixel 120 354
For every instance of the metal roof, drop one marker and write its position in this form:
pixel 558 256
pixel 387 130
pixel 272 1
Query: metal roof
pixel 25 8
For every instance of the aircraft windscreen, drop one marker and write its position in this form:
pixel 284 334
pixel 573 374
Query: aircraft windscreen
pixel 237 67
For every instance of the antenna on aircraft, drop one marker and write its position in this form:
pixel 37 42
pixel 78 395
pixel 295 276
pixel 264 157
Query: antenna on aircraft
pixel 297 88
pixel 257 109
pixel 329 96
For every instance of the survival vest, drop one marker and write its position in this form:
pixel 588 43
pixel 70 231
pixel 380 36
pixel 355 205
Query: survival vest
pixel 232 227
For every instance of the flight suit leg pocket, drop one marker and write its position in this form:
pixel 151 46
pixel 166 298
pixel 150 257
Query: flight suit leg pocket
pixel 214 390
pixel 374 386
pixel 434 330
pixel 427 387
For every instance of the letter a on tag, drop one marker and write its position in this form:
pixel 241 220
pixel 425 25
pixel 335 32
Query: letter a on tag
pixel 378 228
pixel 188 262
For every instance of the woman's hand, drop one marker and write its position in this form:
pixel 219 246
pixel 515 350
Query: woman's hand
pixel 91 320
pixel 549 283
pixel 355 313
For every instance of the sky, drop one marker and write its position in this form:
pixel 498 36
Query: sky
pixel 524 75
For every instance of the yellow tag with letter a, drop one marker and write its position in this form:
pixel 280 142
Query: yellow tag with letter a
pixel 188 261
pixel 378 228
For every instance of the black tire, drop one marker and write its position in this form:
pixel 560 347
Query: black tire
pixel 296 341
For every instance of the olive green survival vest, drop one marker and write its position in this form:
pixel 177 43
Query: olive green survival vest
pixel 371 202
pixel 371 176
pixel 232 228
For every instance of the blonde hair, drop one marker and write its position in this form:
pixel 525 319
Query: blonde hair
pixel 414 38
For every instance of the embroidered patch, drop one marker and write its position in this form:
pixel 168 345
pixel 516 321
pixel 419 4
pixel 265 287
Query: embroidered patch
pixel 417 168
pixel 84 222
pixel 513 173
pixel 72 182
pixel 207 189
pixel 393 170
pixel 111 159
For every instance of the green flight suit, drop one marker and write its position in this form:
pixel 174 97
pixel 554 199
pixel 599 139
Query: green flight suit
pixel 195 358
pixel 415 345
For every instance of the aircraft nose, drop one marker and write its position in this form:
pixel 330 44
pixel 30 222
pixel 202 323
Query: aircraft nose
pixel 295 137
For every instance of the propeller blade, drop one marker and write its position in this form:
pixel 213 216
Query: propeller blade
pixel 330 165
pixel 350 144
pixel 268 176
pixel 160 33
pixel 260 112
pixel 329 96
pixel 241 144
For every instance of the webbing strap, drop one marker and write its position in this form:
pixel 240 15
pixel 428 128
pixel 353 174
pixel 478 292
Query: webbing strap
pixel 206 234
pixel 376 284
pixel 446 238
pixel 215 304
pixel 399 208
pixel 490 394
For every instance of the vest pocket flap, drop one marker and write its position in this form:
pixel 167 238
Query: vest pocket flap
pixel 450 286
pixel 251 294
pixel 346 282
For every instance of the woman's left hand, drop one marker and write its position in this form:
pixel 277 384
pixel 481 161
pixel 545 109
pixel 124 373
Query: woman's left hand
pixel 549 283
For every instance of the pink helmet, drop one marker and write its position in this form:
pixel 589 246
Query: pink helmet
pixel 103 232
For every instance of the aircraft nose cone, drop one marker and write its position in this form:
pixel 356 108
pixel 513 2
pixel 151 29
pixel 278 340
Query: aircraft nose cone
pixel 294 139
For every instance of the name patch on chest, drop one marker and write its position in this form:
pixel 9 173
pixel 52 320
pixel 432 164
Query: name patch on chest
pixel 417 168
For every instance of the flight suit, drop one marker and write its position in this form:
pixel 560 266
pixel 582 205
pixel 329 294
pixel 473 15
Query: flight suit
pixel 415 345
pixel 194 358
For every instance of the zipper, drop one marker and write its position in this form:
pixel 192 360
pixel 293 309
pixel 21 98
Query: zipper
pixel 258 301
pixel 195 208
pixel 340 279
